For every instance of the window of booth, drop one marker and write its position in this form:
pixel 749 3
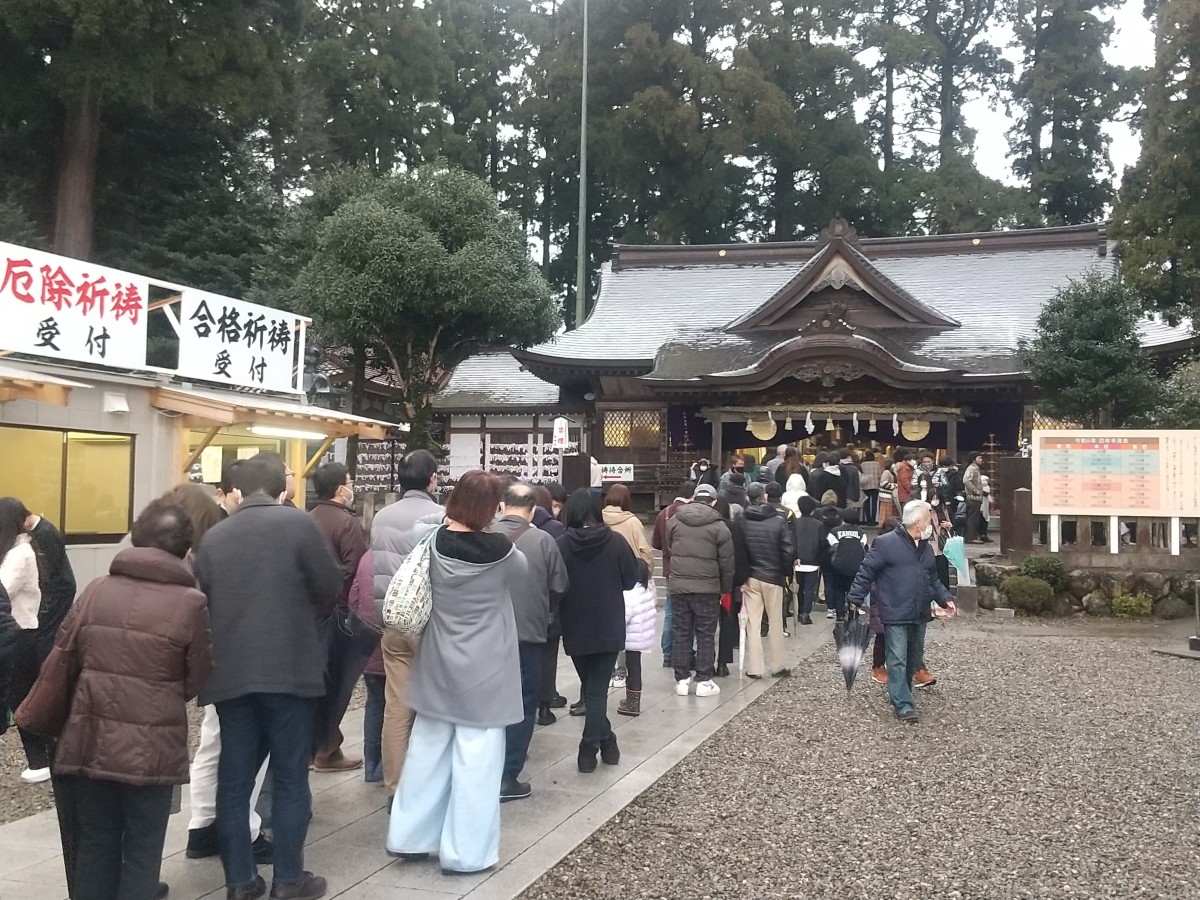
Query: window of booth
pixel 80 480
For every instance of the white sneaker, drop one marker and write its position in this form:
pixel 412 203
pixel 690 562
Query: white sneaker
pixel 617 681
pixel 35 776
pixel 830 615
pixel 682 687
pixel 707 689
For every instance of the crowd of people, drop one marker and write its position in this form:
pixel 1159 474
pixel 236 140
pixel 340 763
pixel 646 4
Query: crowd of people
pixel 269 616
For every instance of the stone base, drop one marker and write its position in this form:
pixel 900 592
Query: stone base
pixel 1178 652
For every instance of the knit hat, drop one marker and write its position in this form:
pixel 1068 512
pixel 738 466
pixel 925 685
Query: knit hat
pixel 829 498
pixel 756 490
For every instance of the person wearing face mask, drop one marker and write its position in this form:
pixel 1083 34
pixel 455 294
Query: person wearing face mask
pixel 335 519
pixel 704 473
pixel 900 566
pixel 737 465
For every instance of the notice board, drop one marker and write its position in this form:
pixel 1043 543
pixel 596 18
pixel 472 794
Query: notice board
pixel 1116 472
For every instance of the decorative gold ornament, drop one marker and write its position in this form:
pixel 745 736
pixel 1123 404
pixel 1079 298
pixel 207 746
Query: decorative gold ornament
pixel 764 430
pixel 914 429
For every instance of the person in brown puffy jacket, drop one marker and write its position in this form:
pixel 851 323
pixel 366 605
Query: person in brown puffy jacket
pixel 143 650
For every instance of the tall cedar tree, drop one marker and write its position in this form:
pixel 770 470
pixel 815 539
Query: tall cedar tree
pixel 86 56
pixel 1086 359
pixel 1066 94
pixel 1157 218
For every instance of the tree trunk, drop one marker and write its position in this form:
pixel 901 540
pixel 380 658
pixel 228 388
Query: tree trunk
pixel 75 204
pixel 948 108
pixel 418 425
pixel 358 403
pixel 888 137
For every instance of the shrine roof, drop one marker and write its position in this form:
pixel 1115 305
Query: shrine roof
pixel 494 380
pixel 680 312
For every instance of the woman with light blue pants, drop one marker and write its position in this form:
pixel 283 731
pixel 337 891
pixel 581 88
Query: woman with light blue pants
pixel 465 689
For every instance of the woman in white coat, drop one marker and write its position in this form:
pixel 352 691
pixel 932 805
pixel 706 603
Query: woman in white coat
pixel 19 575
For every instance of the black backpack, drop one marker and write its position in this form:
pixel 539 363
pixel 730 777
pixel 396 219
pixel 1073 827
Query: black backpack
pixel 848 553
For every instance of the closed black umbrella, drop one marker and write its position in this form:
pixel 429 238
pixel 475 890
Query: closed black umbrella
pixel 851 637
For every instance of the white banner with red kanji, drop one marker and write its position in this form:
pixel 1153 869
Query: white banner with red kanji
pixel 61 308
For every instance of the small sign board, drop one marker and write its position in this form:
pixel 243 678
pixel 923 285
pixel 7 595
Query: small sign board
pixel 614 472
pixel 236 343
pixel 61 308
pixel 561 437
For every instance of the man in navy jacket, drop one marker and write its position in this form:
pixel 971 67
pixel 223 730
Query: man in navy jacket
pixel 900 565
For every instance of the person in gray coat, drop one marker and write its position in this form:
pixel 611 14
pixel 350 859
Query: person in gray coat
pixel 270 579
pixel 392 537
pixel 532 604
pixel 701 571
pixel 465 688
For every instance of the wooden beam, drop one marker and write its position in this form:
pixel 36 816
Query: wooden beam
pixel 312 463
pixel 207 439
pixel 7 394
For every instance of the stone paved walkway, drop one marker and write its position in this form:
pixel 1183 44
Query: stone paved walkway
pixel 345 840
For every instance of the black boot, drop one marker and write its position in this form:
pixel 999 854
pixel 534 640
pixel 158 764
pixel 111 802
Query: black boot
pixel 609 751
pixel 544 716
pixel 202 842
pixel 579 709
pixel 587 757
pixel 722 671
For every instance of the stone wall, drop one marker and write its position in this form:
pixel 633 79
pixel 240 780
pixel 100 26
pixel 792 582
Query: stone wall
pixel 1091 591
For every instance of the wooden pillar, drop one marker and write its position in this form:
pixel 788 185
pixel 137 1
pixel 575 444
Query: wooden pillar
pixel 718 452
pixel 952 438
pixel 1016 525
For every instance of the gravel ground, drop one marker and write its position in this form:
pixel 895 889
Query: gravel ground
pixel 1050 762
pixel 18 799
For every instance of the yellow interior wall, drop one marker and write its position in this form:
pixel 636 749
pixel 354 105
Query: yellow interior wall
pixel 98 483
pixel 32 469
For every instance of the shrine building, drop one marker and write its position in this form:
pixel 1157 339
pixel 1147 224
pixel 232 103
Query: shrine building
pixel 695 351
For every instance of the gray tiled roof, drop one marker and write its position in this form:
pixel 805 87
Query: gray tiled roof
pixel 683 310
pixel 493 380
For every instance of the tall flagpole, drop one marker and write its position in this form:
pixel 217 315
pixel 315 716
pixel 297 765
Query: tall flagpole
pixel 581 225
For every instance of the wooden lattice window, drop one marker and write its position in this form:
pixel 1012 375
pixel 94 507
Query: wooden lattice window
pixel 636 429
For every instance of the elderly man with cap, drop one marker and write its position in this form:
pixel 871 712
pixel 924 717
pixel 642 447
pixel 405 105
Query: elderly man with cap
pixel 701 571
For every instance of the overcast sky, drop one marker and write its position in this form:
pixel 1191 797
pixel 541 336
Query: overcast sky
pixel 1132 45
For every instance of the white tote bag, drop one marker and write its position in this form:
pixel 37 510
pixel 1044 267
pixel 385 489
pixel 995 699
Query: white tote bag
pixel 409 596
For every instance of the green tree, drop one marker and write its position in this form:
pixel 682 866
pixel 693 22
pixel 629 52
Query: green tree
pixel 419 269
pixel 1179 400
pixel 1066 94
pixel 1086 359
pixel 82 57
pixel 1157 217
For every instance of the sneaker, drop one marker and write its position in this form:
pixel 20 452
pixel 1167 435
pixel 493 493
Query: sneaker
pixel 923 678
pixel 707 689
pixel 806 620
pixel 36 776
pixel 309 887
pixel 251 891
pixel 264 851
pixel 559 702
pixel 908 716
pixel 511 789
pixel 879 673
pixel 578 709
pixel 782 673
pixel 683 687
pixel 831 614
pixel 617 681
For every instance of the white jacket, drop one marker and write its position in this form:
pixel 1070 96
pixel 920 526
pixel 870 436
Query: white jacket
pixel 19 575
pixel 639 619
pixel 795 490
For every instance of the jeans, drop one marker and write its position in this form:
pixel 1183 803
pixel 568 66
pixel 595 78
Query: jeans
pixel 694 617
pixel 518 736
pixel 595 670
pixel 252 726
pixel 119 832
pixel 871 506
pixel 665 642
pixel 904 649
pixel 806 584
pixel 373 720
pixel 835 592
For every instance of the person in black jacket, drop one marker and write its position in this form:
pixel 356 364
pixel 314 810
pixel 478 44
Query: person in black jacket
pixel 826 475
pixel 810 551
pixel 770 550
pixel 601 566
